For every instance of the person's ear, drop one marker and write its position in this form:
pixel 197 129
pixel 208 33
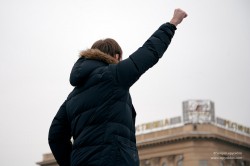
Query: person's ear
pixel 117 57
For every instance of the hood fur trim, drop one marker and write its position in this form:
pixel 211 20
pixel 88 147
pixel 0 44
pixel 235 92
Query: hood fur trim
pixel 98 55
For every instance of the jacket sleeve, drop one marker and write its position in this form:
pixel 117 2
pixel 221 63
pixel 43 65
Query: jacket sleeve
pixel 59 137
pixel 128 71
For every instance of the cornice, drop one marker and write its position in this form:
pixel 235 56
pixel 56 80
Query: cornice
pixel 192 136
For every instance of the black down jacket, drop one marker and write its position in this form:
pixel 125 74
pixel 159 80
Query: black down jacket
pixel 99 113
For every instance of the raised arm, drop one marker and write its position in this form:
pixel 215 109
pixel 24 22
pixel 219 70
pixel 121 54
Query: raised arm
pixel 128 71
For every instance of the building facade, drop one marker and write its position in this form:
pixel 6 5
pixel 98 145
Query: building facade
pixel 196 139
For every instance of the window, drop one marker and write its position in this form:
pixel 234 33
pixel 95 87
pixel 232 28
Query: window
pixel 180 160
pixel 147 163
pixel 164 164
pixel 180 163
pixel 203 163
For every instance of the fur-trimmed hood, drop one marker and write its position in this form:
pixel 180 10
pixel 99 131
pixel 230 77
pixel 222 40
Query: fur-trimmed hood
pixel 96 54
pixel 89 60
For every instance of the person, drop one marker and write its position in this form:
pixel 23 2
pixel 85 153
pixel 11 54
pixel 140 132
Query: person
pixel 98 114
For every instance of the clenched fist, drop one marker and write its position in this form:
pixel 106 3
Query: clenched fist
pixel 178 16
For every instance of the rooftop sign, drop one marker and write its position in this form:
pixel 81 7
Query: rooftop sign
pixel 194 112
pixel 198 111
pixel 158 125
pixel 232 126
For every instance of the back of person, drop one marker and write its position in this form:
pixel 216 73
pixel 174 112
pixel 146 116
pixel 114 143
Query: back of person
pixel 99 113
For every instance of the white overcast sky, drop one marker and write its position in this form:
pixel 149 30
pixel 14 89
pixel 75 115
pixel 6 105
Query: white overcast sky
pixel 209 58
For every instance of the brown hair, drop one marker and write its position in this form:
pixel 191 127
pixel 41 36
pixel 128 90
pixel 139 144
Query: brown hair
pixel 108 46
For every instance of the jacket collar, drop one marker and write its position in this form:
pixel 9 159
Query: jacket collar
pixel 96 54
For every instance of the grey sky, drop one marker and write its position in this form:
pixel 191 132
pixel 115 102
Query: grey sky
pixel 209 58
